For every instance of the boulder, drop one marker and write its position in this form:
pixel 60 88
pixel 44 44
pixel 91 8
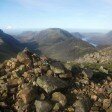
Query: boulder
pixel 70 109
pixel 50 84
pixel 106 103
pixel 94 97
pixel 83 104
pixel 44 68
pixel 66 75
pixel 27 94
pixel 102 69
pixel 60 98
pixel 88 73
pixel 25 57
pixel 57 67
pixel 20 106
pixel 49 73
pixel 109 109
pixel 43 106
pixel 56 107
pixel 3 91
pixel 22 69
pixel 15 82
pixel 12 64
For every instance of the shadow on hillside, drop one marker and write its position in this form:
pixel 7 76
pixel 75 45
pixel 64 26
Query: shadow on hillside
pixel 99 77
pixel 33 46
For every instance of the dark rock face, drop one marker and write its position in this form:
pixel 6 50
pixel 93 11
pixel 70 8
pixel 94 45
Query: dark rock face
pixel 30 83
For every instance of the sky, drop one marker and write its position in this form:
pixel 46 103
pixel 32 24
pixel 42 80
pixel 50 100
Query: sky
pixel 67 14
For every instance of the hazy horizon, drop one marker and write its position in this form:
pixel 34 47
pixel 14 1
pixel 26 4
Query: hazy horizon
pixel 18 31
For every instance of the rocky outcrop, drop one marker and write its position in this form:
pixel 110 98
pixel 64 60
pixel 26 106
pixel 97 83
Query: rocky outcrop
pixel 43 106
pixel 102 56
pixel 30 83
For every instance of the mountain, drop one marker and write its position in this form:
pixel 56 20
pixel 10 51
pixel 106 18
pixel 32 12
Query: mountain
pixel 77 35
pixel 56 43
pixel 100 39
pixel 26 36
pixel 59 44
pixel 84 37
pixel 9 46
pixel 53 35
pixel 109 34
pixel 108 38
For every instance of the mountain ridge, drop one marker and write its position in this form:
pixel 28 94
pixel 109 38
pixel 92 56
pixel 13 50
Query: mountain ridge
pixel 9 46
pixel 51 43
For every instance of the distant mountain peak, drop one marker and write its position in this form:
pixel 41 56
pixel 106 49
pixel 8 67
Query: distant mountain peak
pixel 55 33
pixel 109 33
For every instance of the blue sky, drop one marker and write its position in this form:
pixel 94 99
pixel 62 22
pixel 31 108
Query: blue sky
pixel 72 14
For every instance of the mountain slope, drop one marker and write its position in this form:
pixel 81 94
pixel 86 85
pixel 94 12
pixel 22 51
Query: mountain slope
pixel 26 36
pixel 100 38
pixel 108 38
pixel 9 46
pixel 60 44
pixel 77 35
pixel 56 43
pixel 53 35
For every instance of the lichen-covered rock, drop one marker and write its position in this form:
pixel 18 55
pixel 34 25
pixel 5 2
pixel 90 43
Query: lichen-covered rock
pixel 70 109
pixel 43 106
pixel 15 82
pixel 66 75
pixel 57 107
pixel 109 109
pixel 106 103
pixel 60 98
pixel 49 84
pixel 88 73
pixel 49 73
pixel 102 69
pixel 12 64
pixel 27 94
pixel 82 104
pixel 57 67
pixel 3 91
pixel 25 57
pixel 20 106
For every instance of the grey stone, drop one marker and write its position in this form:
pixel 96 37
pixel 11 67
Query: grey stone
pixel 50 84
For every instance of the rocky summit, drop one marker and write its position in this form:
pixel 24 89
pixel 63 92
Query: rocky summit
pixel 30 83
